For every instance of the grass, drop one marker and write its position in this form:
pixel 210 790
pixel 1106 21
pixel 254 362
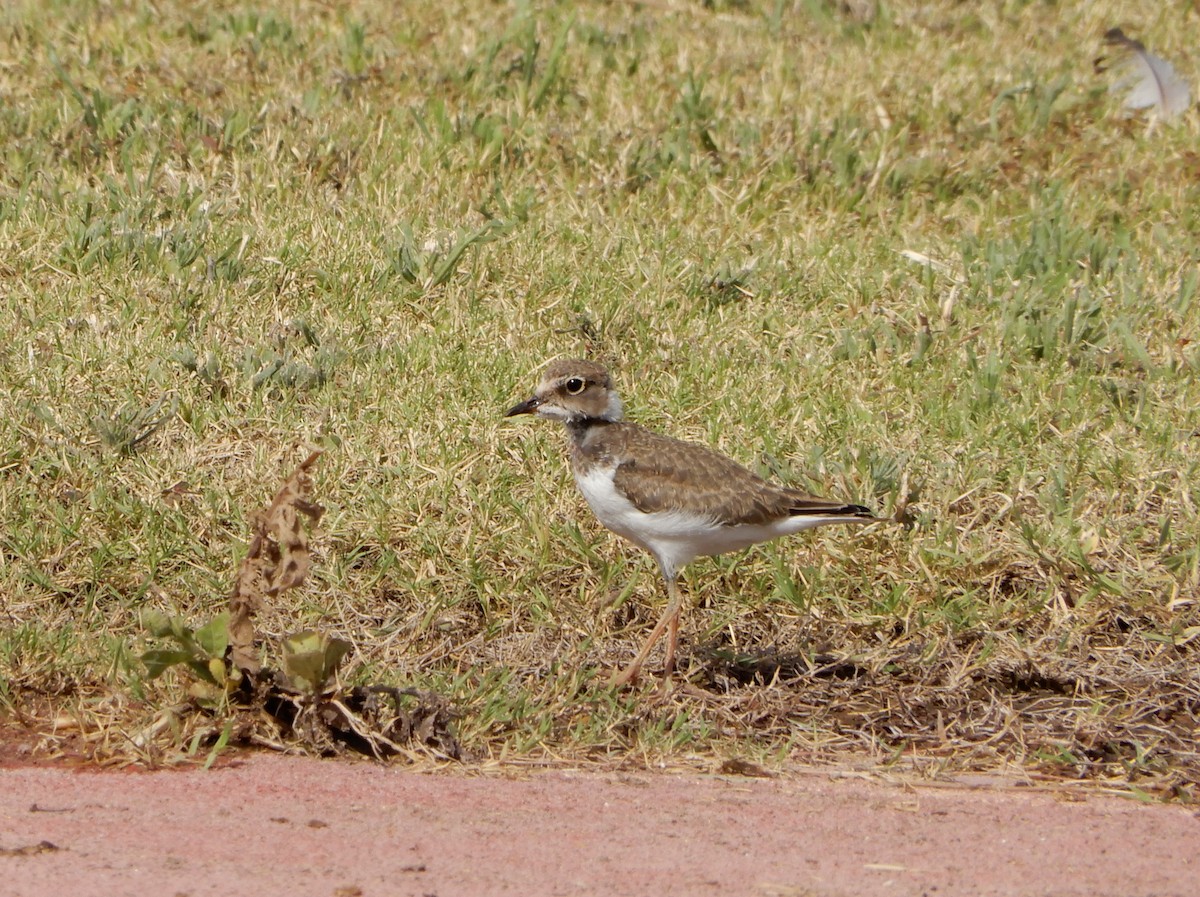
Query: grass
pixel 916 259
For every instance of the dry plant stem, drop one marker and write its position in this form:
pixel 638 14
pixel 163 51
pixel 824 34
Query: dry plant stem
pixel 278 560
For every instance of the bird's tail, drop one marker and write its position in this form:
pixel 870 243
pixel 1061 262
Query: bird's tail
pixel 806 506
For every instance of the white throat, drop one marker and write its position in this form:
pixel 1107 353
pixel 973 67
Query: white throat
pixel 612 412
pixel 615 410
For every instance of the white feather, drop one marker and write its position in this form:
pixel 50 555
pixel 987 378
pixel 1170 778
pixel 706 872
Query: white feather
pixel 554 412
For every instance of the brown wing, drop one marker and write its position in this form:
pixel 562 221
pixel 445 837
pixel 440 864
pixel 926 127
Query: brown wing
pixel 672 475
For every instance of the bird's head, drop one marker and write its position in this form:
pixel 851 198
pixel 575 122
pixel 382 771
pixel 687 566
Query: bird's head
pixel 573 391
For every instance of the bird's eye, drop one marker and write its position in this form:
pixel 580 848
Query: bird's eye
pixel 575 386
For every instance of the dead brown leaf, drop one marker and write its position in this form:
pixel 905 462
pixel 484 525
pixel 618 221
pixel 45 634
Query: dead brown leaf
pixel 29 849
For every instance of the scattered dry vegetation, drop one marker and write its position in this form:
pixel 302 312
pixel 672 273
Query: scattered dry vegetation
pixel 908 254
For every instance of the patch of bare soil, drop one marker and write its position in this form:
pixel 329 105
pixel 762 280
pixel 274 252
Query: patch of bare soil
pixel 22 746
pixel 271 824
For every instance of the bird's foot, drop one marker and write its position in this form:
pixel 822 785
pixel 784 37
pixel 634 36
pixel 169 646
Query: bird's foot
pixel 666 688
pixel 667 685
pixel 627 676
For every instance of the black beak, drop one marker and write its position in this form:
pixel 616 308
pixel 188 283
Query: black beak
pixel 529 406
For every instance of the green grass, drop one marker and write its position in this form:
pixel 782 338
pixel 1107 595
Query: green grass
pixel 233 232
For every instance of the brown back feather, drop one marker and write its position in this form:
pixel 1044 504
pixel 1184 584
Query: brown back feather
pixel 673 475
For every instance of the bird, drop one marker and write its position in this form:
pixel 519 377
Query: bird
pixel 676 500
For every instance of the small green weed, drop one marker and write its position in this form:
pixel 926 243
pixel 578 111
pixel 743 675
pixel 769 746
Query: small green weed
pixel 202 651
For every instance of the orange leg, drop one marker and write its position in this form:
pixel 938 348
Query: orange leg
pixel 673 634
pixel 669 622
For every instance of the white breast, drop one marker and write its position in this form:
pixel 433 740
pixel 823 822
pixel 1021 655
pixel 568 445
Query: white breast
pixel 612 508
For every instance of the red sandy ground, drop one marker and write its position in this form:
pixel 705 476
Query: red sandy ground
pixel 268 825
